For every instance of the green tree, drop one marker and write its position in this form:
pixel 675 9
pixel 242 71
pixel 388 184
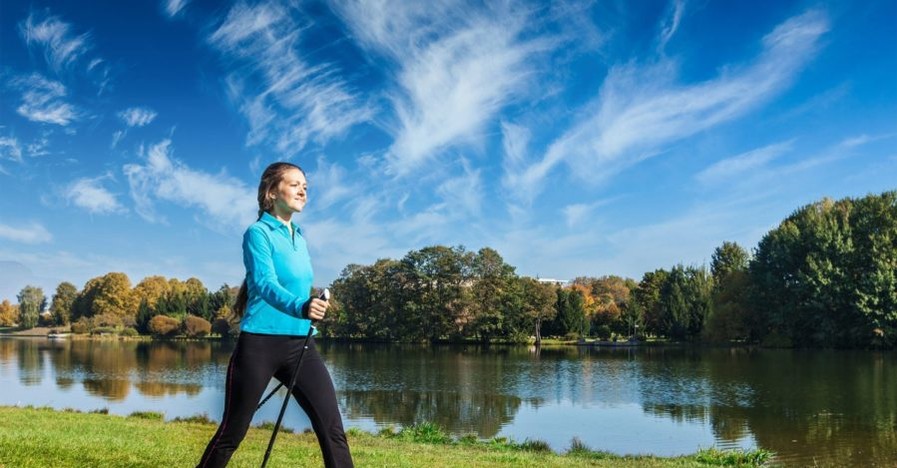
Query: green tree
pixel 826 275
pixel 538 305
pixel 31 303
pixel 727 258
pixel 491 277
pixel 63 303
pixel 648 295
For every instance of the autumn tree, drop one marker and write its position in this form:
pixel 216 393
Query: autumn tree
pixel 9 314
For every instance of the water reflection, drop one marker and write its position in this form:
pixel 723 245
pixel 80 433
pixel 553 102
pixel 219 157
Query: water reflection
pixel 812 407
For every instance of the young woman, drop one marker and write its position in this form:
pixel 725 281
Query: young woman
pixel 276 312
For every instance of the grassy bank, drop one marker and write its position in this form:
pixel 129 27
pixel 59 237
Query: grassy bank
pixel 37 437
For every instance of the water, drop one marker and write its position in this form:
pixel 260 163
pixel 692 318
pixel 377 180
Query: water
pixel 823 408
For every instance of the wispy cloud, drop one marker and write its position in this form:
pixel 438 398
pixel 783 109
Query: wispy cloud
pixel 137 116
pixel 670 24
pixel 640 110
pixel 42 101
pixel 10 149
pixel 729 167
pixel 89 193
pixel 223 201
pixel 329 184
pixel 173 7
pixel 457 67
pixel 30 233
pixel 61 46
pixel 287 101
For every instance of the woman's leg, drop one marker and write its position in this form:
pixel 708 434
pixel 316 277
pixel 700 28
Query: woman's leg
pixel 315 394
pixel 252 364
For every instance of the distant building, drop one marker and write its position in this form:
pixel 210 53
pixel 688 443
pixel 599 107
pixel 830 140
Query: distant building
pixel 558 282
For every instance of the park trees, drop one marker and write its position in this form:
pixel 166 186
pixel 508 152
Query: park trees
pixel 9 314
pixel 827 275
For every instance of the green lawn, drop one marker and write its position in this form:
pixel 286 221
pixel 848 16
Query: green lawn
pixel 39 437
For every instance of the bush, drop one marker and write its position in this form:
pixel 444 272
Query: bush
pixel 163 325
pixel 129 332
pixel 195 327
pixel 82 326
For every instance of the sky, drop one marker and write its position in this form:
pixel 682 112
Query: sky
pixel 576 138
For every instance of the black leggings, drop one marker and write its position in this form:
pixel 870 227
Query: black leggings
pixel 255 360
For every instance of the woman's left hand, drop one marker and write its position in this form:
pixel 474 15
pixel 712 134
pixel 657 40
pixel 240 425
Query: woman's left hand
pixel 317 308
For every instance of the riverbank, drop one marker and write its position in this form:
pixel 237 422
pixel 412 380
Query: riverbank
pixel 32 437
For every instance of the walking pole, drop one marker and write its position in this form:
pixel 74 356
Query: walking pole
pixel 325 295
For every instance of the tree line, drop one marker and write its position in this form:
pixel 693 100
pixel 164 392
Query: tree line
pixel 826 276
pixel 109 304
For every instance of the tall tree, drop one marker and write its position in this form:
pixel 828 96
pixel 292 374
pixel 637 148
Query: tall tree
pixel 63 302
pixel 538 305
pixel 727 258
pixel 31 303
pixel 491 277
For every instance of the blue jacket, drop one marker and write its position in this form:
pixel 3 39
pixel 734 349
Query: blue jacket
pixel 278 278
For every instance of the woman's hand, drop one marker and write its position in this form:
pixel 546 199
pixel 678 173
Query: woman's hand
pixel 317 308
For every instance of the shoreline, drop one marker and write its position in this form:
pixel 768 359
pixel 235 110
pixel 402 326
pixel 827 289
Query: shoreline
pixel 46 437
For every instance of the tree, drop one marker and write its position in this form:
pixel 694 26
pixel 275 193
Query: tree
pixel 31 303
pixel 63 302
pixel 9 314
pixel 648 295
pixel 491 277
pixel 826 275
pixel 151 289
pixel 538 305
pixel 727 258
pixel 685 301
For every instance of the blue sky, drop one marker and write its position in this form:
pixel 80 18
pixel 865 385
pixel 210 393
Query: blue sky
pixel 576 138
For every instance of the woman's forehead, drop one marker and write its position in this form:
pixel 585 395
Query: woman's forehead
pixel 293 175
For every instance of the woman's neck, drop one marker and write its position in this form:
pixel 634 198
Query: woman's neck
pixel 284 218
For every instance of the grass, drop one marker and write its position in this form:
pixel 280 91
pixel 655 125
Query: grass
pixel 37 437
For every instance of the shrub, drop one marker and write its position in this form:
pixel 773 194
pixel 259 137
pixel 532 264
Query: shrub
pixel 82 326
pixel 196 326
pixel 151 415
pixel 129 332
pixel 163 325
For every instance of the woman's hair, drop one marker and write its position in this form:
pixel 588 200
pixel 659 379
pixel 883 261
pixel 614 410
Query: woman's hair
pixel 270 180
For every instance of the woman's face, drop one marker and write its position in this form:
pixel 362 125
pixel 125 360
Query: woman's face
pixel 290 194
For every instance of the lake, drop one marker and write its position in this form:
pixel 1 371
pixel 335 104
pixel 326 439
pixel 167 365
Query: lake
pixel 824 408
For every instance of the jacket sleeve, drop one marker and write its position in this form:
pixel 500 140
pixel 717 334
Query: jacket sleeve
pixel 259 261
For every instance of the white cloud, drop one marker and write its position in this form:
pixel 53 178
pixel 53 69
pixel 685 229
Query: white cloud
pixel 89 194
pixel 729 167
pixel 328 185
pixel 458 67
pixel 116 137
pixel 42 101
pixel 671 23
pixel 577 214
pixel 640 110
pixel 137 116
pixel 10 149
pixel 173 7
pixel 31 233
pixel 462 194
pixel 61 48
pixel 223 201
pixel 287 101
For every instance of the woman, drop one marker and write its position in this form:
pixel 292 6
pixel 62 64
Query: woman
pixel 277 311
